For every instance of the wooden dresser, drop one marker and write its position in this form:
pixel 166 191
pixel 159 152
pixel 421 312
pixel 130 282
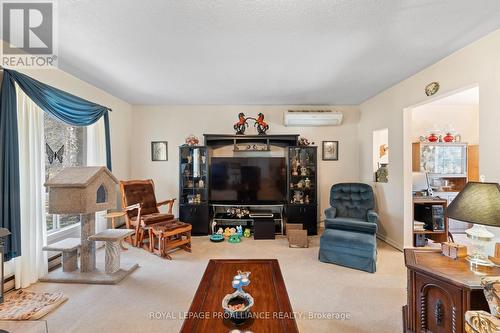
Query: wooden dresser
pixel 440 291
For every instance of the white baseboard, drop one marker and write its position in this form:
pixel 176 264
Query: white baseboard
pixel 391 242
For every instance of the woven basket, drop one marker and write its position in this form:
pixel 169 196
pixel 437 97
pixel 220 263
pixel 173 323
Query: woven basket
pixel 297 238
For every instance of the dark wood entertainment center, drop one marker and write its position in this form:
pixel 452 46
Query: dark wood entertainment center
pixel 301 204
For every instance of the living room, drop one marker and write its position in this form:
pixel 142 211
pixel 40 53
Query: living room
pixel 213 176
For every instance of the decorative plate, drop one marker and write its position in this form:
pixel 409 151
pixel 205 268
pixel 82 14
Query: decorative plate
pixel 431 88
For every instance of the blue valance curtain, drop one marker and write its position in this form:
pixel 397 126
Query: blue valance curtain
pixel 68 108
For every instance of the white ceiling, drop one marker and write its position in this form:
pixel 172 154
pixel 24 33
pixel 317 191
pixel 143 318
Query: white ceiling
pixel 261 51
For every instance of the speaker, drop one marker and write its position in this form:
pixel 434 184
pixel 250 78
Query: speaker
pixel 263 228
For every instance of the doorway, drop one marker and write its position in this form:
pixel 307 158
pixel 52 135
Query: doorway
pixel 444 156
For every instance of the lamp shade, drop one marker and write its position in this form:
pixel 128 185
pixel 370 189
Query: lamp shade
pixel 477 203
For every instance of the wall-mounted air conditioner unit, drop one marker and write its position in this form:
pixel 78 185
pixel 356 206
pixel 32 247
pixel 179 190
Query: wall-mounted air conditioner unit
pixel 312 118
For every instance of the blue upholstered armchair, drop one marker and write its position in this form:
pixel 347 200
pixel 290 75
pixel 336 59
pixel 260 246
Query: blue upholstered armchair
pixel 350 227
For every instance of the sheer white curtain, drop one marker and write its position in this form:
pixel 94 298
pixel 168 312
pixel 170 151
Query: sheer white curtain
pixel 32 264
pixel 96 156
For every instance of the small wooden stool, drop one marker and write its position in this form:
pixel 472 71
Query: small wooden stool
pixel 113 216
pixel 169 235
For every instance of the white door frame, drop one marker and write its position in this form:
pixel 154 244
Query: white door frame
pixel 407 161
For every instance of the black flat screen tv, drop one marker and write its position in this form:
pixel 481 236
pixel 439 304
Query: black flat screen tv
pixel 248 180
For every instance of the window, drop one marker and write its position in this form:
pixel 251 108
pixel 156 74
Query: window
pixel 64 147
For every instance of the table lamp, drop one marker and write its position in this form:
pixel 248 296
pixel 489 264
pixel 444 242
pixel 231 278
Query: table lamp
pixel 479 204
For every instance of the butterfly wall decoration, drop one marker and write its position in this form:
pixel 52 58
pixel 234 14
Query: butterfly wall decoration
pixel 52 156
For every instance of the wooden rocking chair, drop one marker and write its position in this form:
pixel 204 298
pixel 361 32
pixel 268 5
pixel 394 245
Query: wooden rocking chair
pixel 139 200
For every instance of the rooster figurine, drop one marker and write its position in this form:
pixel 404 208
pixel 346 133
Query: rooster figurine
pixel 241 125
pixel 262 126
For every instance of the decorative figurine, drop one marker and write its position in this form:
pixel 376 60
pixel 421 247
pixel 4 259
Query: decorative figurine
pixel 241 125
pixel 262 126
pixel 383 150
pixel 220 231
pixel 241 280
pixel 300 184
pixel 234 239
pixel 192 140
pixel 201 183
pixel 298 196
pixel 306 200
pixel 227 232
pixel 247 233
pixel 303 171
pixel 304 142
pixel 215 236
pixel 237 212
pixel 239 231
pixel 295 167
pixel 307 183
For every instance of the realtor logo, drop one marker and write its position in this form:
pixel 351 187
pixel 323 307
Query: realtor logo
pixel 28 33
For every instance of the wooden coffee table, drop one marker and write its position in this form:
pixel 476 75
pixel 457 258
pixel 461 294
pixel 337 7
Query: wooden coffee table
pixel 272 311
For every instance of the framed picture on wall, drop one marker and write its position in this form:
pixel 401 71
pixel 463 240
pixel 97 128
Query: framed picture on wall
pixel 159 151
pixel 330 150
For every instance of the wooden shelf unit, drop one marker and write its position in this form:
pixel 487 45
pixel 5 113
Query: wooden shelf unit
pixel 438 236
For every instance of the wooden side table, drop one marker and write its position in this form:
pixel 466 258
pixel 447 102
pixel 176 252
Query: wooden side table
pixel 113 216
pixel 440 291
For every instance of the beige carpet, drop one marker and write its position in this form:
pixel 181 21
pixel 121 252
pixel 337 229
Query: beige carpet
pixel 373 300
pixel 32 326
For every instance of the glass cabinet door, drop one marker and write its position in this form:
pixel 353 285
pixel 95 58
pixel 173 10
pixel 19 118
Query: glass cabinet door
pixel 193 176
pixel 444 159
pixel 302 175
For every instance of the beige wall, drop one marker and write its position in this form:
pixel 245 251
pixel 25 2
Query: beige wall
pixel 120 118
pixel 479 64
pixel 463 118
pixel 174 123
